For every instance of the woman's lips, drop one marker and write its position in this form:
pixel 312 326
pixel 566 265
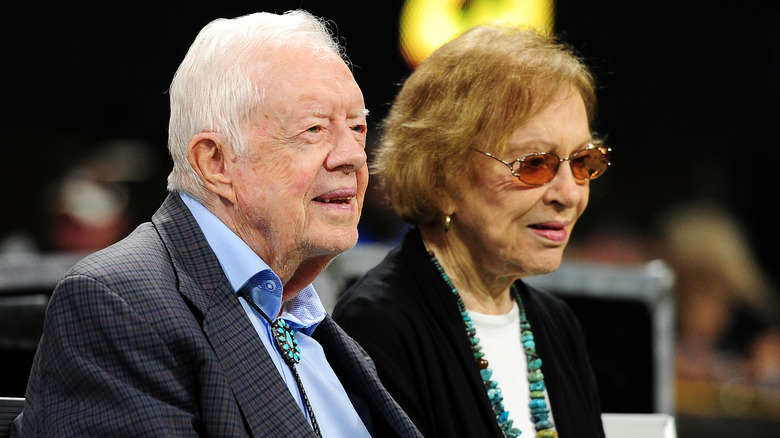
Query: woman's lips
pixel 553 231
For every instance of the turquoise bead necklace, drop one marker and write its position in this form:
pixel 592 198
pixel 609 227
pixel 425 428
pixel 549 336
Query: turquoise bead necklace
pixel 538 405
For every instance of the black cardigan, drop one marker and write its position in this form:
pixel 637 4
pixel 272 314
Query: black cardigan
pixel 407 319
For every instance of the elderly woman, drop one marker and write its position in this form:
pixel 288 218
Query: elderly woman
pixel 488 151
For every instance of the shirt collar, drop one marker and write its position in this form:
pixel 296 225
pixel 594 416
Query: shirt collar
pixel 242 266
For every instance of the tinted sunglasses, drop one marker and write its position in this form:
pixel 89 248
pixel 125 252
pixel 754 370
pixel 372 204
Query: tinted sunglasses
pixel 539 168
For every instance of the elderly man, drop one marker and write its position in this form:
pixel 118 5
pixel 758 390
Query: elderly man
pixel 204 322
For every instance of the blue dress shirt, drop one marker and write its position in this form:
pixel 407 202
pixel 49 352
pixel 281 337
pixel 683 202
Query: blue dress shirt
pixel 335 413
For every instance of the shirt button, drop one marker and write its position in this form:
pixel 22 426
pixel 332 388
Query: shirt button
pixel 270 285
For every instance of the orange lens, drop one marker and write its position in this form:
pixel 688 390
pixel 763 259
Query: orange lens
pixel 538 169
pixel 590 163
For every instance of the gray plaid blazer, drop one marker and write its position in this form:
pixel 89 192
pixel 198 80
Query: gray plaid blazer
pixel 147 338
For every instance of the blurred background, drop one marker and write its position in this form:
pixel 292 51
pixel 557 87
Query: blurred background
pixel 688 100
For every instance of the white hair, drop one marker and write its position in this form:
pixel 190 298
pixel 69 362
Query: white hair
pixel 216 89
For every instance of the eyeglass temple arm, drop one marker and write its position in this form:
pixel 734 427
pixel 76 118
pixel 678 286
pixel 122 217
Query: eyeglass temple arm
pixel 509 165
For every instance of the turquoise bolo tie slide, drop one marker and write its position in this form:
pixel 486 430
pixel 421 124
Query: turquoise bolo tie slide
pixel 286 342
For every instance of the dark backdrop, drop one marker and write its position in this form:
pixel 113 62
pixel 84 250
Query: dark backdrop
pixel 688 99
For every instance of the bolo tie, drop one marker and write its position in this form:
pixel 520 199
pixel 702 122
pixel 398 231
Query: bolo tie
pixel 285 341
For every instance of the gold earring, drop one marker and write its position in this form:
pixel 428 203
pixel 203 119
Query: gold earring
pixel 447 222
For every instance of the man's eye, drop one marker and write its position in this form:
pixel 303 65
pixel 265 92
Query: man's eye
pixel 315 129
pixel 360 129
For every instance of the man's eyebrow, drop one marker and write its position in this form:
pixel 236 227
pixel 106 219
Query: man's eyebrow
pixel 324 114
pixel 362 113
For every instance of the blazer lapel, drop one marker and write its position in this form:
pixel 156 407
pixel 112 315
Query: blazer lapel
pixel 262 395
pixel 358 374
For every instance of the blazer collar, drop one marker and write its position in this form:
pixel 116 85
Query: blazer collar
pixel 262 395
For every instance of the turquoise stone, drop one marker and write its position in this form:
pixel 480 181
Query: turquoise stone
pixel 494 394
pixel 535 376
pixel 286 342
pixel 486 373
pixel 544 424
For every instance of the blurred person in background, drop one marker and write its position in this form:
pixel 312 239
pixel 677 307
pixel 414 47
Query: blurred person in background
pixel 96 202
pixel 728 319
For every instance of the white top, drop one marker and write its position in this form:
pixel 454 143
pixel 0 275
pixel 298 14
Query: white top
pixel 499 336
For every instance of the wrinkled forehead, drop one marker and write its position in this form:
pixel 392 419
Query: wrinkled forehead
pixel 293 61
pixel 536 122
pixel 300 82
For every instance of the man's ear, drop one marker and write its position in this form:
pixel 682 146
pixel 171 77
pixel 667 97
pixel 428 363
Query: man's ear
pixel 211 160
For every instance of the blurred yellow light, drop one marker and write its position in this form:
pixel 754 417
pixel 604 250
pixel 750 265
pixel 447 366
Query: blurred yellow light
pixel 427 24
